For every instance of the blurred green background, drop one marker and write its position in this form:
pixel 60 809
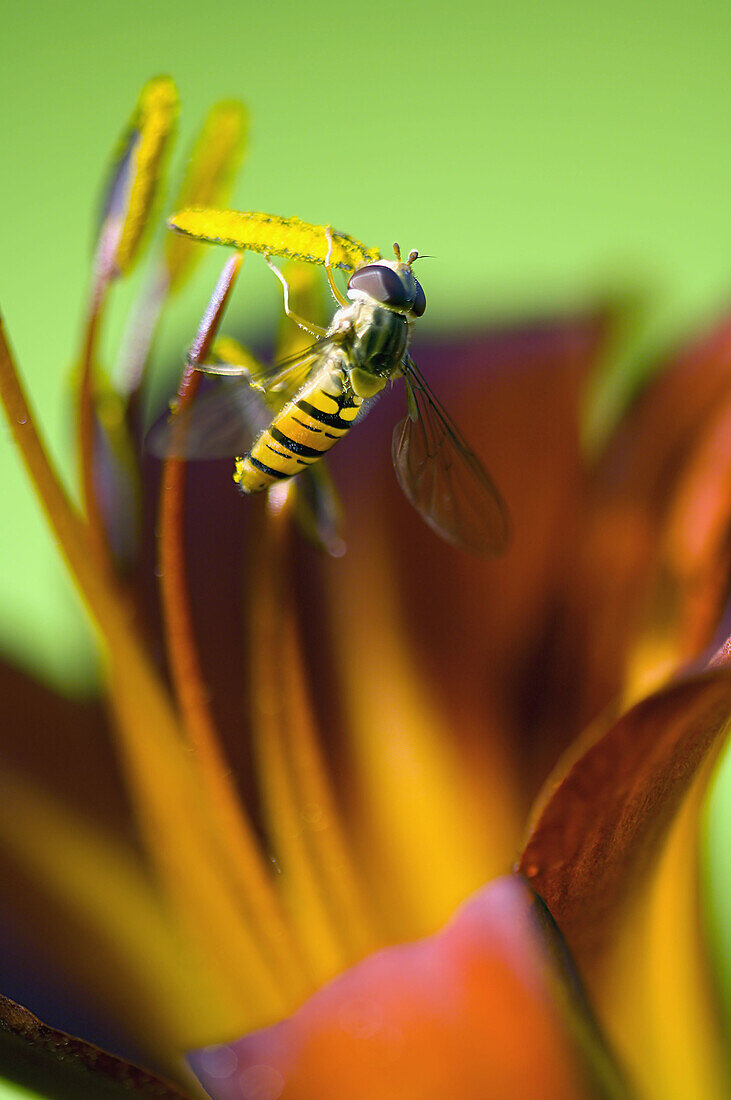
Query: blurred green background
pixel 544 154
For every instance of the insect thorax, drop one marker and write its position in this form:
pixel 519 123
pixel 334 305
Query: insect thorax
pixel 375 338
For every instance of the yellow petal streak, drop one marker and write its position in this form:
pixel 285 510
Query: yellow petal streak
pixel 318 882
pixel 272 234
pixel 153 122
pixel 208 178
pixel 431 828
pixel 655 995
pixel 125 944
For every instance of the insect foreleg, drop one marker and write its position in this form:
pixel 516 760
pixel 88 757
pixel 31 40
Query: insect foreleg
pixel 336 293
pixel 314 330
pixel 228 370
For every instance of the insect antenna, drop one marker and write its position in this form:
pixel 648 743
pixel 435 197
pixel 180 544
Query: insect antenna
pixel 413 255
pixel 397 250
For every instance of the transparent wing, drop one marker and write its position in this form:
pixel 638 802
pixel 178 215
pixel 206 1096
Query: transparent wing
pixel 318 508
pixel 282 380
pixel 442 476
pixel 224 421
pixel 221 423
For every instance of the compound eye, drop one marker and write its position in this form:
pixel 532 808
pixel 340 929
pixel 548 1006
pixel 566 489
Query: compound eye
pixel 383 284
pixel 419 301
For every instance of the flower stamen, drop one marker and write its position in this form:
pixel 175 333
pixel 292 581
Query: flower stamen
pixel 239 846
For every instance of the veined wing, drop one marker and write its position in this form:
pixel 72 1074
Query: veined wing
pixel 283 379
pixel 224 422
pixel 220 424
pixel 442 476
pixel 318 508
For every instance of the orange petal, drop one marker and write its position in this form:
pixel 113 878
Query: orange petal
pixel 481 632
pixel 698 531
pixel 484 1009
pixel 613 852
pixel 650 570
pixel 643 458
pixel 602 827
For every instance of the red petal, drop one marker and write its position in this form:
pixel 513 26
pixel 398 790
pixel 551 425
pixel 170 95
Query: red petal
pixel 698 532
pixel 649 484
pixel 603 825
pixel 481 1010
pixel 651 445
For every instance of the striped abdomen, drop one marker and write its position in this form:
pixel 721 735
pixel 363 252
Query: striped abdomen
pixel 306 428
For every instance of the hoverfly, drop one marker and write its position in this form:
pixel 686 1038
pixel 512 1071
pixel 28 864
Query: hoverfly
pixel 283 423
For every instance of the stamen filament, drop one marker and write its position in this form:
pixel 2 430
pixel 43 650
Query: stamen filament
pixel 236 838
pixel 85 413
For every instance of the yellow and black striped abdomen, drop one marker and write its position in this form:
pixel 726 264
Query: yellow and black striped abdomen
pixel 306 428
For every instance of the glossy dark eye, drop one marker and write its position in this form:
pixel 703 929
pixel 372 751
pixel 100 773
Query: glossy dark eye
pixel 383 284
pixel 419 301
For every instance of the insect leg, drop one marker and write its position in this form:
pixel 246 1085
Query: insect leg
pixel 228 370
pixel 336 293
pixel 314 330
pixel 410 400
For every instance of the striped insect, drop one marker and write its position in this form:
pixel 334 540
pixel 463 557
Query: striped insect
pixel 290 417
